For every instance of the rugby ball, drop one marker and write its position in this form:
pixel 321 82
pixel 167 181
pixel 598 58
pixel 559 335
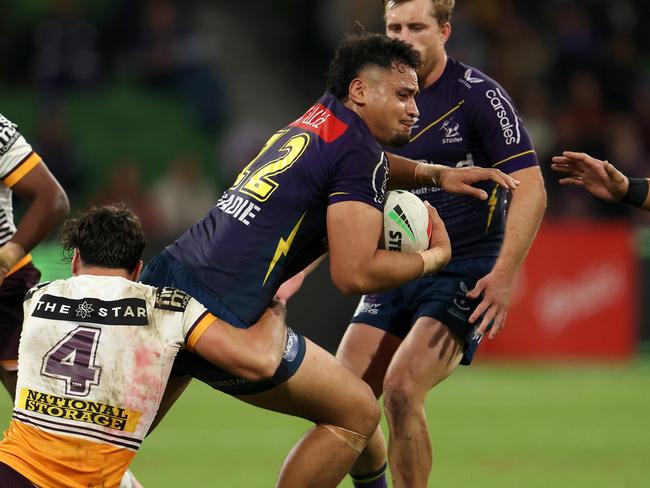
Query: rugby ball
pixel 407 227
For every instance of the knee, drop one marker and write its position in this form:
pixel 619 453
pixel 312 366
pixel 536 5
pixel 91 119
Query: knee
pixel 366 412
pixel 372 413
pixel 401 397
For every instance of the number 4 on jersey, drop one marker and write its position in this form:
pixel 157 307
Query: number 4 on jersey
pixel 72 360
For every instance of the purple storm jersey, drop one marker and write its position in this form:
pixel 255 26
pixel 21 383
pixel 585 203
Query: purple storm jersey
pixel 271 222
pixel 468 119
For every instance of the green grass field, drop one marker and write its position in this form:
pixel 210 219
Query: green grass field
pixel 492 426
pixel 501 426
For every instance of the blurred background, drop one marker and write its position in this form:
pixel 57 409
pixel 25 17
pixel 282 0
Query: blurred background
pixel 159 104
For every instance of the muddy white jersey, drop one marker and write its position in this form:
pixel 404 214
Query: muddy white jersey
pixel 94 359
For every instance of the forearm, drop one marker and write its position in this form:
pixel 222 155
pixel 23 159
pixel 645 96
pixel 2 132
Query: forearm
pixel 407 173
pixel 253 354
pixel 385 270
pixel 525 214
pixel 46 211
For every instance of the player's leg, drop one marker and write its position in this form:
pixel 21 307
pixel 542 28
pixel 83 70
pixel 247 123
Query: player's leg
pixel 427 356
pixel 9 376
pixel 12 294
pixel 341 405
pixel 367 351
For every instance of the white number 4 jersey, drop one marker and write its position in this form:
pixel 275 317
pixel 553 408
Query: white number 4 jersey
pixel 95 355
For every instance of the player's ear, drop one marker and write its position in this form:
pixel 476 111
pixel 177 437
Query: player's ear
pixel 136 271
pixel 445 31
pixel 76 262
pixel 358 91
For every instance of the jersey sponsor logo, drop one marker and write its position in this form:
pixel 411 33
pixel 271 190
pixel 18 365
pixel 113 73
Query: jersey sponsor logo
pixel 468 79
pixel 79 410
pixel 370 308
pixel 451 131
pixel 171 299
pixel 471 79
pixel 292 347
pixel 507 117
pixel 8 134
pixel 238 207
pixel 84 310
pixel 126 311
pixel 380 179
pixel 425 190
pixel 321 121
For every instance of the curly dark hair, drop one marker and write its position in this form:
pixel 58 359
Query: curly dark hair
pixel 108 236
pixel 357 51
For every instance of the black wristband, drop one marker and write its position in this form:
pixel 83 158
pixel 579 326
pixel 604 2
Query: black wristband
pixel 637 192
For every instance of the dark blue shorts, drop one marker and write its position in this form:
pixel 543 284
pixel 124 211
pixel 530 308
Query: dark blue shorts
pixel 165 270
pixel 10 478
pixel 440 296
pixel 12 295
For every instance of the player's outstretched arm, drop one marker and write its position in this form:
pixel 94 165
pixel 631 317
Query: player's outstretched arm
pixel 49 206
pixel 601 179
pixel 254 353
pixel 406 173
pixel 357 265
pixel 525 213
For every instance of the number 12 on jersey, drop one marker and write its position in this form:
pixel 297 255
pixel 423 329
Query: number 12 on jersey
pixel 259 184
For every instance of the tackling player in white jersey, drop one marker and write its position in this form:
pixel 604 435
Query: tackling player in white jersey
pixel 95 355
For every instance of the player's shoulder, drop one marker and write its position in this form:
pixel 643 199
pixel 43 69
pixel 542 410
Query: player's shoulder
pixel 336 125
pixel 171 299
pixel 9 134
pixel 471 81
pixel 36 288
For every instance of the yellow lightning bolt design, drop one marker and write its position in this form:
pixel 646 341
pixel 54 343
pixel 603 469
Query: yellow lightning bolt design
pixel 283 247
pixel 492 203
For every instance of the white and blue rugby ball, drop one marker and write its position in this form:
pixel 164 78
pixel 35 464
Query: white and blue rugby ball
pixel 407 227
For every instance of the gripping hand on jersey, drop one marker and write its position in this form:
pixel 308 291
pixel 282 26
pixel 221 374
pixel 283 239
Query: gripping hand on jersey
pixel 459 181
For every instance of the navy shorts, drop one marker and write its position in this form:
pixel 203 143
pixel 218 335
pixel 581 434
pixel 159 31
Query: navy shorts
pixel 165 270
pixel 10 478
pixel 12 294
pixel 440 296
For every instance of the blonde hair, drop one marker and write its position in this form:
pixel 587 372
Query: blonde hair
pixel 442 9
